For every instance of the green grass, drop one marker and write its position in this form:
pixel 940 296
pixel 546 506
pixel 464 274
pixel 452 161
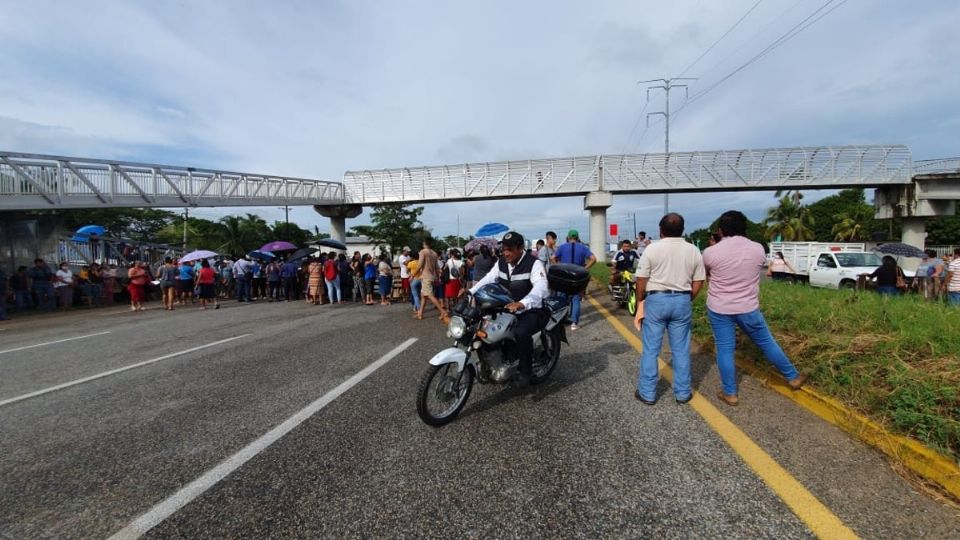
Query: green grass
pixel 897 360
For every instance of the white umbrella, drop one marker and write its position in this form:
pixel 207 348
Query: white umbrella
pixel 197 255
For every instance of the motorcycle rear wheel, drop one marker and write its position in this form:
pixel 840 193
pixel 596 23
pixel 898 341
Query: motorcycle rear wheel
pixel 442 393
pixel 545 357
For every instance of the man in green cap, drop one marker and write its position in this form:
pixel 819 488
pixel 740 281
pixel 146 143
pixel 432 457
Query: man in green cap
pixel 574 252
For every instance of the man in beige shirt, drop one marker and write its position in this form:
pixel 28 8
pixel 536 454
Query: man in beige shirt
pixel 671 272
pixel 429 266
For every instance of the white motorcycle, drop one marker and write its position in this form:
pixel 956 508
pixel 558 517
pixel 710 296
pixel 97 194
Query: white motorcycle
pixel 483 348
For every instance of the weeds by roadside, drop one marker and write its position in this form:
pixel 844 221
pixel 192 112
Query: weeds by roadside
pixel 897 360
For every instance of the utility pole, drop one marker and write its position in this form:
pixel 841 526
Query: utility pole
pixel 186 216
pixel 666 85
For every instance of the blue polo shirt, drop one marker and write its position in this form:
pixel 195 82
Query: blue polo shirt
pixel 573 253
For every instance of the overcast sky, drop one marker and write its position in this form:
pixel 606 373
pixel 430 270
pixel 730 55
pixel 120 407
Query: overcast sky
pixel 312 89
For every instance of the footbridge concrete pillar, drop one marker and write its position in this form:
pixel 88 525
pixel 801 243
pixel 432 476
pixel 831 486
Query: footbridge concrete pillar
pixel 597 203
pixel 338 218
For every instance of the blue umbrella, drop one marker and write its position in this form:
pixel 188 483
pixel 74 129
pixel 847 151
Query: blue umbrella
pixel 492 229
pixel 265 255
pixel 89 230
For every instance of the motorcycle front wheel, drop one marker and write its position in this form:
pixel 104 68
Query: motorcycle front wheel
pixel 442 393
pixel 632 302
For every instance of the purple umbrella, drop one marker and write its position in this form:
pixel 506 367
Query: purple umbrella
pixel 278 245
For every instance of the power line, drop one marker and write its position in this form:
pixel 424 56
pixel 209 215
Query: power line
pixel 725 34
pixel 796 29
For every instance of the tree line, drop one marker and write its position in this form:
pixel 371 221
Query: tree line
pixel 843 217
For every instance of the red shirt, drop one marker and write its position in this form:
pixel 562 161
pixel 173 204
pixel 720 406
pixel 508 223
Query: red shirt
pixel 207 276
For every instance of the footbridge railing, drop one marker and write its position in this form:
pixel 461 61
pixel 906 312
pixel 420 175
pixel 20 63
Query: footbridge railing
pixel 727 170
pixel 42 181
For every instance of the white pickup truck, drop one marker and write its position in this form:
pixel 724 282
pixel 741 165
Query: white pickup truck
pixel 825 264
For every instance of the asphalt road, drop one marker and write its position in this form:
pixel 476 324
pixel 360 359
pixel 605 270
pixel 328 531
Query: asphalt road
pixel 575 457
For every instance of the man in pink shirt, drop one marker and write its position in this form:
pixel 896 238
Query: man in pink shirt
pixel 733 299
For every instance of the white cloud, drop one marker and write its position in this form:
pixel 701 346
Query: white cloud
pixel 314 89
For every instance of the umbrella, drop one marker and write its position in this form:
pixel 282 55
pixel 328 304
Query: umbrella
pixel 89 230
pixel 197 255
pixel 477 242
pixel 301 253
pixel 332 243
pixel 266 255
pixel 900 250
pixel 492 229
pixel 278 245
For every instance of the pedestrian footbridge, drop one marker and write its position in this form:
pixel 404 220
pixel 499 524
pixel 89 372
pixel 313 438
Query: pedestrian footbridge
pixel 904 188
pixel 33 181
pixel 828 167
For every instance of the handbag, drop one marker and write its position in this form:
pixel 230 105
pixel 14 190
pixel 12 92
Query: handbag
pixel 901 282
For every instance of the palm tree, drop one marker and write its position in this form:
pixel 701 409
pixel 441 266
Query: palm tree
pixel 851 225
pixel 789 220
pixel 235 234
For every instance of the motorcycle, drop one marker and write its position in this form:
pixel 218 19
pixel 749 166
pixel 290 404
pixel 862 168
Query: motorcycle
pixel 483 332
pixel 624 294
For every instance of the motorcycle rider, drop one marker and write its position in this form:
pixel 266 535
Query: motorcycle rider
pixel 526 278
pixel 625 259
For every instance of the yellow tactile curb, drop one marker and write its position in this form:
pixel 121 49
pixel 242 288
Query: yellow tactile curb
pixel 924 461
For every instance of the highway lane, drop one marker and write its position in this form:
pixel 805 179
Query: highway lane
pixel 574 457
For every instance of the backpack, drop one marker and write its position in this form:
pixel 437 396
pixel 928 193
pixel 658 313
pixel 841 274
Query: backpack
pixel 330 270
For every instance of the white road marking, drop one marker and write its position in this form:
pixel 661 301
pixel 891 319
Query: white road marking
pixel 52 342
pixel 198 487
pixel 113 372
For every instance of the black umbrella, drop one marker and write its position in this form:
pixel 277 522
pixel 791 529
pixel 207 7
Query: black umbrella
pixel 332 243
pixel 900 249
pixel 301 253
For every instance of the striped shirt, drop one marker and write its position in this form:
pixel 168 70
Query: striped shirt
pixel 954 269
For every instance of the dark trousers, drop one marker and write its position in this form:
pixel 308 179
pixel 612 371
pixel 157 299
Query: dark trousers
pixel 274 289
pixel 289 288
pixel 528 323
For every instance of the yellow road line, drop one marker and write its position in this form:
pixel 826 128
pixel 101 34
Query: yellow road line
pixel 813 513
pixel 922 460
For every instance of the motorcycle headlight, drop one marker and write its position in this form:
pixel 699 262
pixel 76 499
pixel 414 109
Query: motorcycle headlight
pixel 456 327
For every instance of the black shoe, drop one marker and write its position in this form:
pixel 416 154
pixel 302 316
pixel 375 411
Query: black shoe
pixel 687 400
pixel 638 397
pixel 523 380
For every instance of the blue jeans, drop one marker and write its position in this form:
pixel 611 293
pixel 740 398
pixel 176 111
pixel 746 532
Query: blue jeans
pixel 243 288
pixel 22 299
pixel 755 327
pixel 954 298
pixel 44 292
pixel 574 300
pixel 95 292
pixel 672 313
pixel 888 289
pixel 333 290
pixel 415 292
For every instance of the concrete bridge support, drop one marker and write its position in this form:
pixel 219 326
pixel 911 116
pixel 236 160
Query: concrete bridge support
pixel 903 201
pixel 338 218
pixel 597 203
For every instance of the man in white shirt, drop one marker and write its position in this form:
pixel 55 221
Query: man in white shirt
pixel 526 279
pixel 402 260
pixel 671 272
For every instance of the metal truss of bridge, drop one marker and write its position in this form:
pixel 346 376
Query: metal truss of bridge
pixel 828 167
pixel 40 181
